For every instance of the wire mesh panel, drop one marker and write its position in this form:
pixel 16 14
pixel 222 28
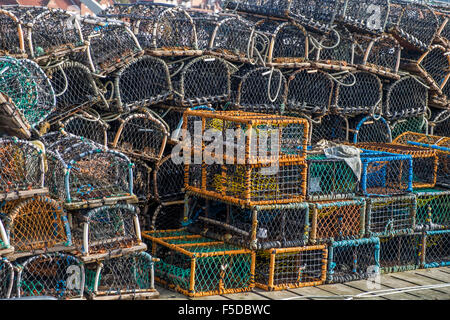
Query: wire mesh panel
pixel 6 278
pixel 415 26
pixel 389 216
pixel 433 210
pixel 127 277
pixel 201 80
pixel 168 179
pixel 309 90
pixel 281 269
pixel 281 44
pixel 330 179
pixel 385 173
pixel 54 274
pixel 351 260
pixel 400 253
pixel 35 225
pixel 107 231
pixel 12 40
pixel 331 127
pixel 143 81
pixel 168 216
pixel 54 33
pixel 337 220
pixel 141 135
pixel 197 267
pixel 370 129
pixel 259 227
pixel 259 90
pixel 111 45
pixel 440 125
pixel 415 124
pixel 405 98
pixel 22 169
pixel 366 16
pixel 436 249
pixel 12 120
pixel 359 92
pixel 84 124
pixel 443 33
pixel 142 180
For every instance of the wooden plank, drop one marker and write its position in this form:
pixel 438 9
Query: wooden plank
pixel 445 270
pixel 313 293
pixel 276 295
pixel 362 285
pixel 165 294
pixel 414 279
pixel 210 298
pixel 246 296
pixel 434 274
pixel 345 289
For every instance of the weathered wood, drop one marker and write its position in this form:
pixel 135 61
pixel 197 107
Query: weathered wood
pixel 312 292
pixel 246 296
pixel 416 280
pixel 277 295
pixel 165 294
pixel 91 204
pixel 14 195
pixel 112 253
pixel 132 296
pixel 58 248
pixel 434 274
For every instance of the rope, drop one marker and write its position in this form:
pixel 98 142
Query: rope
pixel 333 76
pixel 318 45
pixel 65 79
pixel 269 84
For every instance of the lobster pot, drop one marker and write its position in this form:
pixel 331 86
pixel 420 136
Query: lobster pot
pixel 91 178
pixel 443 35
pixel 391 216
pixel 433 66
pixel 232 39
pixel 351 260
pixel 330 179
pixel 278 183
pixel 267 137
pixel 67 144
pixel 433 209
pixel 198 267
pixel 107 231
pixel 142 136
pixel 284 44
pixel 359 92
pixel 22 169
pixel 253 227
pixel 415 26
pixel 6 278
pixel 74 86
pixel 436 249
pixel 5 247
pixel 172 117
pixel 55 275
pixel 168 180
pixel 142 180
pixel 167 32
pixel 202 80
pixel 54 34
pixel 400 253
pixel 129 277
pixel 281 269
pixel 143 81
pixel 310 91
pixel 385 174
pixel 367 16
pixel 86 125
pixel 111 45
pixel 425 161
pixel 337 220
pixel 259 90
pixel 331 127
pixel 12 42
pixel 12 121
pixel 332 51
pixel 168 216
pixel 414 124
pixel 441 125
pixel 442 147
pixel 370 129
pixel 205 25
pixel 36 225
pixel 382 57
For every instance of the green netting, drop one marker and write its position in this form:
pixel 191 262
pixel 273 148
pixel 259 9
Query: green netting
pixel 433 207
pixel 213 248
pixel 415 124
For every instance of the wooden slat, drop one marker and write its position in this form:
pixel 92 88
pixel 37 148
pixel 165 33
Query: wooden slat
pixel 276 295
pixel 435 275
pixel 165 294
pixel 246 296
pixel 394 283
pixel 414 279
pixel 344 289
pixel 313 292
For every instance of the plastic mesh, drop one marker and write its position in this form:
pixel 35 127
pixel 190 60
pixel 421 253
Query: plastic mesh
pixel 169 180
pixel 437 249
pixel 168 217
pixel 6 278
pixel 331 127
pixel 433 210
pixel 400 253
pixel 370 129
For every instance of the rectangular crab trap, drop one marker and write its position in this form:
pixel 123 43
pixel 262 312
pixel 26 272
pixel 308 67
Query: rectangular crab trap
pixel 330 179
pixel 255 227
pixel 106 232
pixel 23 169
pixel 281 269
pixel 200 80
pixel 433 209
pixel 85 175
pixel 400 253
pixel 390 216
pixel 442 147
pixel 337 220
pixel 198 267
pixel 436 249
pixel 129 277
pixel 55 275
pixel 351 260
pixel 6 278
pixel 244 135
pixel 385 174
pixel 12 43
pixel 425 161
pixel 35 225
pixel 280 183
